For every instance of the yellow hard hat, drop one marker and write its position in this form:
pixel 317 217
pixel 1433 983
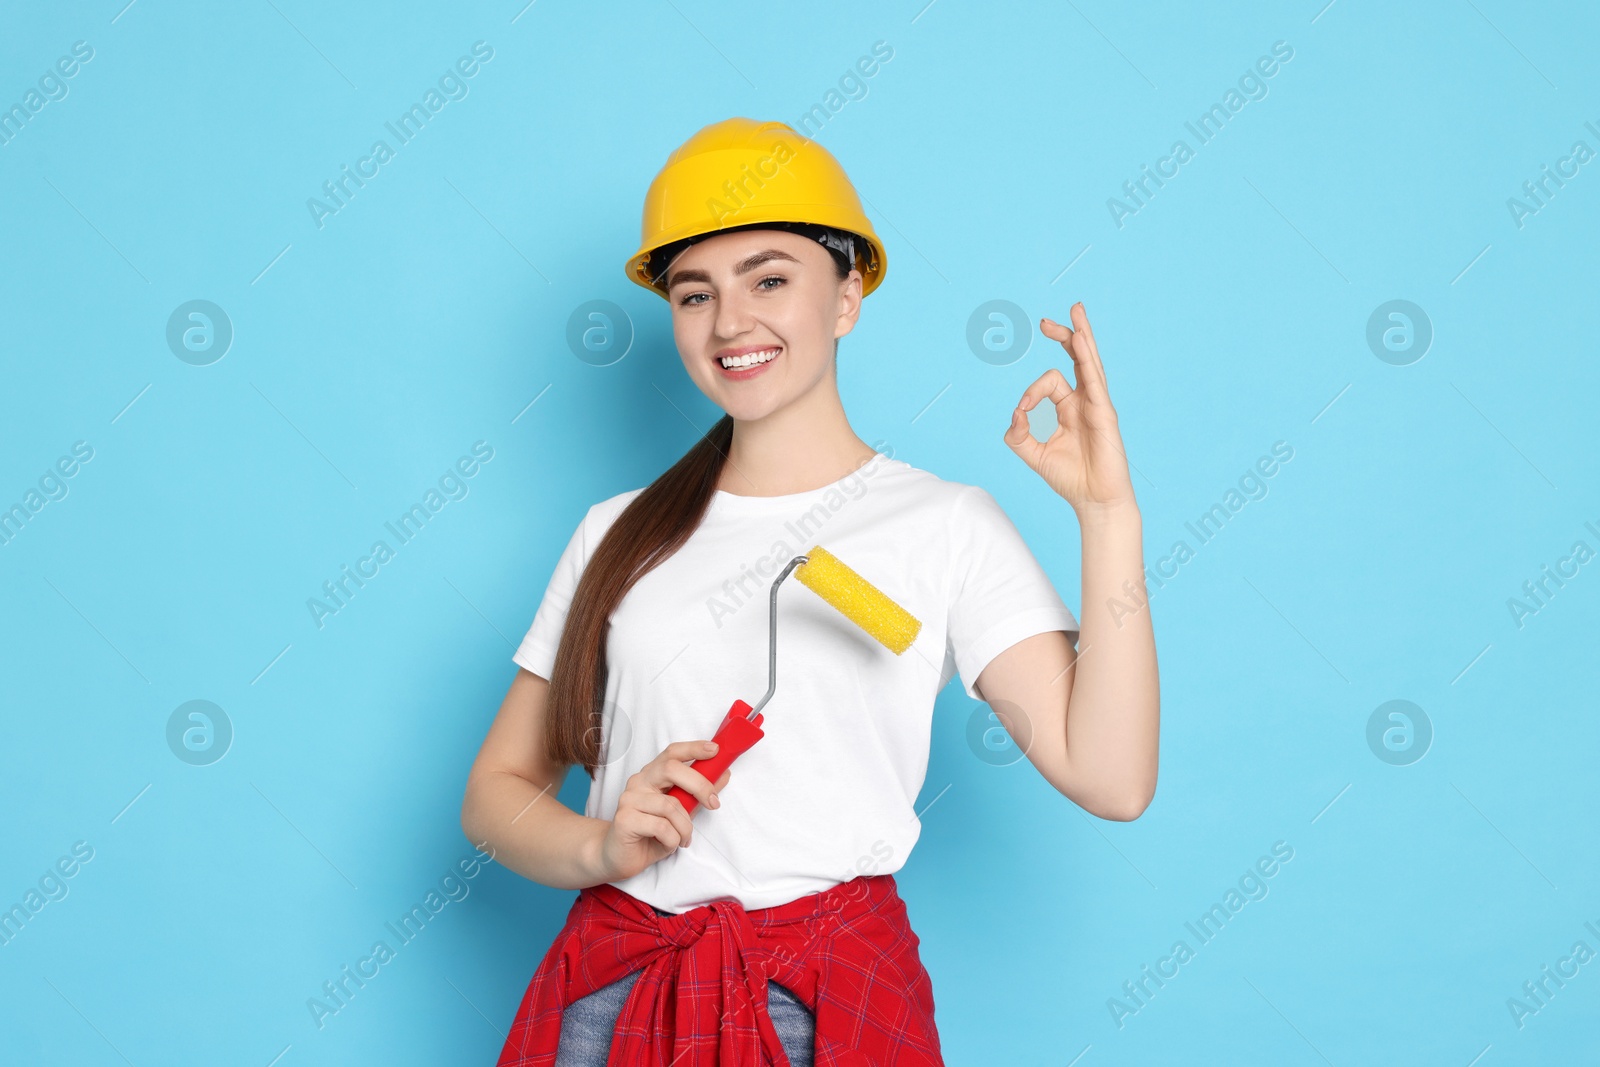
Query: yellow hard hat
pixel 740 173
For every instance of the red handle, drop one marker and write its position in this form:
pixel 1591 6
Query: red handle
pixel 734 737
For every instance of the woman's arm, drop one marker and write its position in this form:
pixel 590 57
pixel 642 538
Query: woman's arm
pixel 1089 719
pixel 511 801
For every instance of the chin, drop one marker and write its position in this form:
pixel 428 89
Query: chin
pixel 746 411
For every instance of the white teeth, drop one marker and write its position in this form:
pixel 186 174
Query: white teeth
pixel 751 359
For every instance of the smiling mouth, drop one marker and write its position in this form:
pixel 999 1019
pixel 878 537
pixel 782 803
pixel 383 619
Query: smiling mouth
pixel 740 366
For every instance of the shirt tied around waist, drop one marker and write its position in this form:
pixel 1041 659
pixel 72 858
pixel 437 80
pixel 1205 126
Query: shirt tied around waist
pixel 848 953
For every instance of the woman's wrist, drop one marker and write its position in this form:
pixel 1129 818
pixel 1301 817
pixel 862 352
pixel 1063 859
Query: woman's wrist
pixel 1120 513
pixel 591 851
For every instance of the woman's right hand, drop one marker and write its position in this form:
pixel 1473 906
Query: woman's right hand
pixel 650 824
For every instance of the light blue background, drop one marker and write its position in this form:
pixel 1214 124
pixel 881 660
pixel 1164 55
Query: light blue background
pixel 369 354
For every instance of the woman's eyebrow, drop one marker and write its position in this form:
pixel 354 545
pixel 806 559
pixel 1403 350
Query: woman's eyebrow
pixel 744 266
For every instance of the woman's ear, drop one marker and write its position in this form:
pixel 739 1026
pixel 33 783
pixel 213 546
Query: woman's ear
pixel 850 303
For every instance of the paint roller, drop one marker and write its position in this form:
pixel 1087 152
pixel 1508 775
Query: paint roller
pixel 853 597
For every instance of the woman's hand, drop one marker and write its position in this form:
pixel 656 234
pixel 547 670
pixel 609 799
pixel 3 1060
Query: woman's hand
pixel 649 824
pixel 1083 460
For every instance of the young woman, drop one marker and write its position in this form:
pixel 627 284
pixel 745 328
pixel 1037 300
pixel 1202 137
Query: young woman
pixel 765 926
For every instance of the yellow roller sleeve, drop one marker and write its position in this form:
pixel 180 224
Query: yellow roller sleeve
pixel 858 600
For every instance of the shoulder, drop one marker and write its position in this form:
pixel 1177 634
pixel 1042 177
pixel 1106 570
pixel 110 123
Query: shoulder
pixel 966 514
pixel 597 520
pixel 913 482
pixel 956 501
pixel 601 515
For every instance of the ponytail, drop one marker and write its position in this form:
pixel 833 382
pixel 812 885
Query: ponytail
pixel 653 526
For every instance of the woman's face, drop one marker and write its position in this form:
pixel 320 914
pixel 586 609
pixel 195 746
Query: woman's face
pixel 756 292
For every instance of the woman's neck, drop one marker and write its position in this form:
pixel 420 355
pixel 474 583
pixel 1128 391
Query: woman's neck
pixel 791 470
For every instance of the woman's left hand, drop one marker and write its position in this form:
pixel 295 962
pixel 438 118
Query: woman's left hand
pixel 1084 459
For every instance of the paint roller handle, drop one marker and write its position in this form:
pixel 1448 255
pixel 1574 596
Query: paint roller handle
pixel 734 737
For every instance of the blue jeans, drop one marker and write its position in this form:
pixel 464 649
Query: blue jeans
pixel 588 1023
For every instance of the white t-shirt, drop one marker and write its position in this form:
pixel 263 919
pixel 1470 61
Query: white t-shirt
pixel 829 792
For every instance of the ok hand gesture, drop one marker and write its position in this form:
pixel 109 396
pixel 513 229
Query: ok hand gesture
pixel 1083 460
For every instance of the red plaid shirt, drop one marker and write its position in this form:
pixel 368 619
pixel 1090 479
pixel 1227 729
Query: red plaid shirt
pixel 848 953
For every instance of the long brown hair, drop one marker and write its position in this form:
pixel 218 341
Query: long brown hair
pixel 653 526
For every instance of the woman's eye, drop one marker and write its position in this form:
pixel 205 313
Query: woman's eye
pixel 690 301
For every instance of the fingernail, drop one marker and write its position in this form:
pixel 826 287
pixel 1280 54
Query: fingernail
pixel 711 746
pixel 716 802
